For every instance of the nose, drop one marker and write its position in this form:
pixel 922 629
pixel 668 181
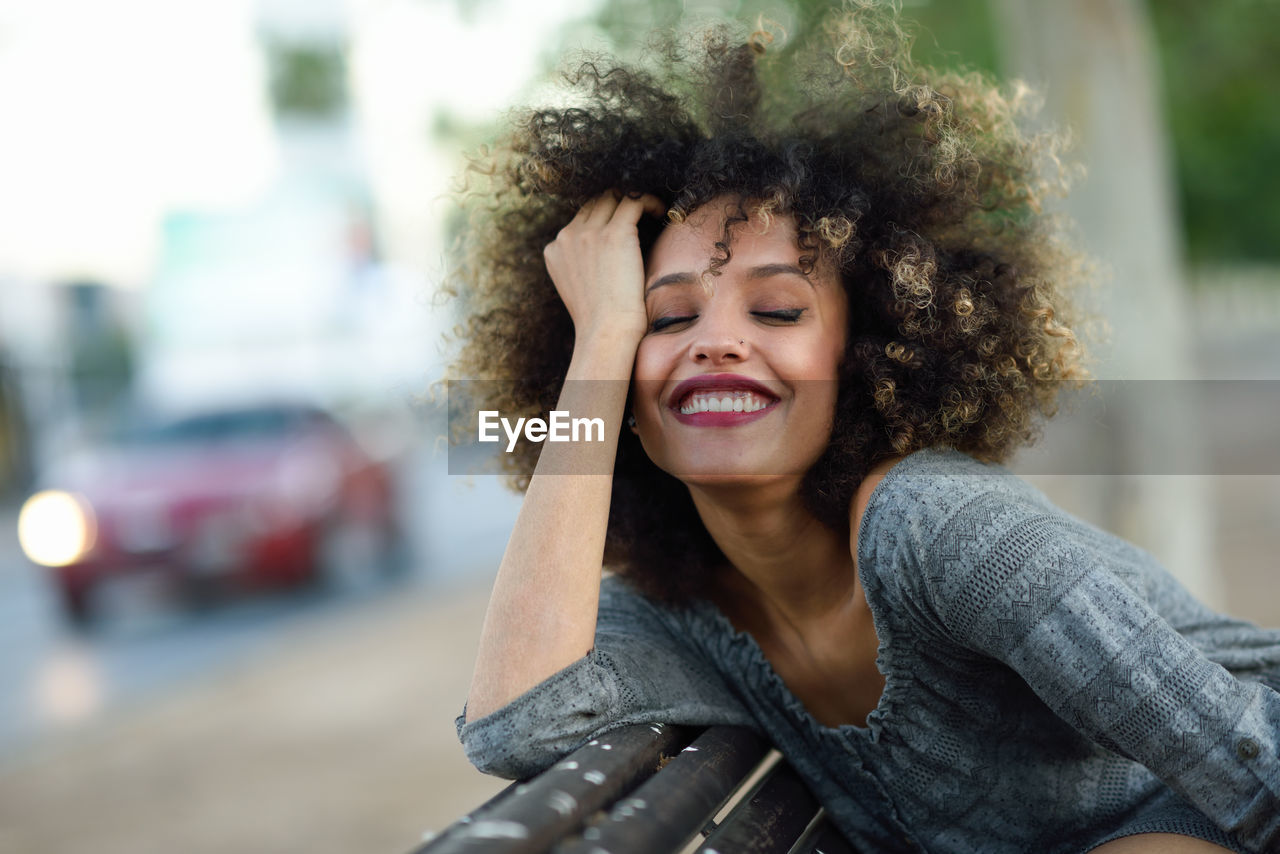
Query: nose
pixel 718 340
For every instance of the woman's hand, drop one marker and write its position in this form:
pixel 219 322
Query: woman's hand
pixel 597 268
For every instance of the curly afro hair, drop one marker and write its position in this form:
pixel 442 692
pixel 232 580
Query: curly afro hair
pixel 919 186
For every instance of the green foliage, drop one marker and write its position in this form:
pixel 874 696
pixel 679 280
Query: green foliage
pixel 307 81
pixel 950 33
pixel 1221 71
pixel 955 34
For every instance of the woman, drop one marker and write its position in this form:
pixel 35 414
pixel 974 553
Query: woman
pixel 815 301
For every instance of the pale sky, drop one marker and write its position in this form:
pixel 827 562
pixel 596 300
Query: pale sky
pixel 115 112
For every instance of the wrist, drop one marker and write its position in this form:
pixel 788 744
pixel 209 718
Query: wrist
pixel 617 330
pixel 605 353
pixel 613 334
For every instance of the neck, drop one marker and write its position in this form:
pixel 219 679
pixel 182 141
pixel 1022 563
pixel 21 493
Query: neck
pixel 786 565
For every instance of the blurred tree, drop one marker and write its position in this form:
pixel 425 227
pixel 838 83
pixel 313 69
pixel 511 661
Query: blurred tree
pixel 307 80
pixel 1096 64
pixel 1221 69
pixel 950 33
pixel 15 451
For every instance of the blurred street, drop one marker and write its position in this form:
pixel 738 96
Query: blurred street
pixel 303 721
pixel 335 737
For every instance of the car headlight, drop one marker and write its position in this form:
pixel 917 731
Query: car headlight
pixel 56 528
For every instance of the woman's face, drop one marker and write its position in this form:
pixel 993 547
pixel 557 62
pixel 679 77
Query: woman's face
pixel 737 375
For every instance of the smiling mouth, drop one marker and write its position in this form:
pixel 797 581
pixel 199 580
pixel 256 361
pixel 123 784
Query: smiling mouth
pixel 723 400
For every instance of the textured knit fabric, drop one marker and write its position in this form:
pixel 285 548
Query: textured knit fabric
pixel 1048 686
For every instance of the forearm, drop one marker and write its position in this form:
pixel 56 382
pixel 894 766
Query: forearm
pixel 542 612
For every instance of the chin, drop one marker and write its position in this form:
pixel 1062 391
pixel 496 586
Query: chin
pixel 717 460
pixel 733 480
pixel 707 470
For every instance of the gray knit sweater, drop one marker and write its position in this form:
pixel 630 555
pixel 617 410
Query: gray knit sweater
pixel 1048 686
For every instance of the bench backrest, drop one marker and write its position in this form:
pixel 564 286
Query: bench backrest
pixel 653 788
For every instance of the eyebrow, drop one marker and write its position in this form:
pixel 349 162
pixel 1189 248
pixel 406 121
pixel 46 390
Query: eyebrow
pixel 763 271
pixel 670 279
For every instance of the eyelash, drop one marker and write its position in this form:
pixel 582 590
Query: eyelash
pixel 786 315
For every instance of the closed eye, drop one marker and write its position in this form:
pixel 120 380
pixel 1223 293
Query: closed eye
pixel 664 322
pixel 786 315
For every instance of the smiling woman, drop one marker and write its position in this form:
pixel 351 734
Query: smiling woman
pixel 819 280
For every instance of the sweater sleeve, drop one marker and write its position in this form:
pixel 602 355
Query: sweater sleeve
pixel 637 672
pixel 1063 604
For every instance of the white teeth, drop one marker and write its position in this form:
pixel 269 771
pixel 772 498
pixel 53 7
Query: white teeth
pixel 737 401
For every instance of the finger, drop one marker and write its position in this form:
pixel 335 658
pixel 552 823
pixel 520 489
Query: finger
pixel 584 212
pixel 654 206
pixel 602 207
pixel 633 208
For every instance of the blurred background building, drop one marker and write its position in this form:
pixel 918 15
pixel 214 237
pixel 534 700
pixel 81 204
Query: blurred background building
pixel 211 202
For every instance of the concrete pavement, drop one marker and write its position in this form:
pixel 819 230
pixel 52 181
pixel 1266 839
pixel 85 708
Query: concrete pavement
pixel 339 739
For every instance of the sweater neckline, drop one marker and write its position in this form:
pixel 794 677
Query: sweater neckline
pixel 742 654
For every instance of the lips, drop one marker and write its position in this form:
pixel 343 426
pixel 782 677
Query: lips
pixel 720 400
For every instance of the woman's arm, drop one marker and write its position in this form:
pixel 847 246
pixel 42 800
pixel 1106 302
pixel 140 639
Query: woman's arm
pixel 1049 597
pixel 639 671
pixel 542 613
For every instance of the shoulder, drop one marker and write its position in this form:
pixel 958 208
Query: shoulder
pixel 939 516
pixel 956 537
pixel 928 490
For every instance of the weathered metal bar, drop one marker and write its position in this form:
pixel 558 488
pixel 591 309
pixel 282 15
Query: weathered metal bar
pixel 769 820
pixel 669 809
pixel 533 815
pixel 489 804
pixel 823 838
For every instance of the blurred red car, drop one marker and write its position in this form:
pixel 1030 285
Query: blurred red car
pixel 254 497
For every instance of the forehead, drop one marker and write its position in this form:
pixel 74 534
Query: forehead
pixel 691 244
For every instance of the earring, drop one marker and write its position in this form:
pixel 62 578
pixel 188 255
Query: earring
pixel 631 421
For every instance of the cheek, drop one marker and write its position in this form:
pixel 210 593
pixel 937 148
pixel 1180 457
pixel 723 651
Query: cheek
pixel 833 351
pixel 655 358
pixel 817 358
pixel 649 374
pixel 646 360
